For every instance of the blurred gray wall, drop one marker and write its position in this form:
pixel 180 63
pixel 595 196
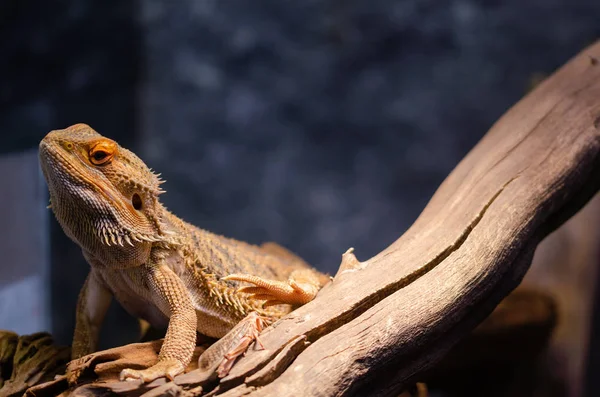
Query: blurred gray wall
pixel 61 63
pixel 24 246
pixel 329 124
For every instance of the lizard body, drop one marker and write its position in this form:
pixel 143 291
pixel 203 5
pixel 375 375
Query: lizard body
pixel 159 267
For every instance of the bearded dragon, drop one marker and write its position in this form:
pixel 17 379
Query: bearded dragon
pixel 160 268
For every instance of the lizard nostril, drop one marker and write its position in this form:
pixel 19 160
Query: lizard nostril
pixel 136 201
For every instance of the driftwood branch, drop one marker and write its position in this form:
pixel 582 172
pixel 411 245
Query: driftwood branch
pixel 382 322
pixel 377 327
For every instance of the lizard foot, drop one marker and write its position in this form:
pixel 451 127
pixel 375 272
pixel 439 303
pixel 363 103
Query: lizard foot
pixel 72 374
pixel 244 334
pixel 293 291
pixel 168 368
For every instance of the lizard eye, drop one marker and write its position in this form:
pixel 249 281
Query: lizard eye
pixel 99 156
pixel 102 153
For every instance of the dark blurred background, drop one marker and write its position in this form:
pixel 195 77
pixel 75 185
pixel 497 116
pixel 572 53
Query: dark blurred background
pixel 317 124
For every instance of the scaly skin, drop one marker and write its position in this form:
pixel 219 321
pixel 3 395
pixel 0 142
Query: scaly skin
pixel 157 266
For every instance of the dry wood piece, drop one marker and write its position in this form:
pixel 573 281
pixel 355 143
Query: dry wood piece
pixel 514 333
pixel 399 312
pixel 98 374
pixel 383 322
pixel 28 360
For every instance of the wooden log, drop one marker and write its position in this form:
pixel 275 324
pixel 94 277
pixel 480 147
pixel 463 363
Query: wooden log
pixel 380 325
pixel 383 322
pixel 29 360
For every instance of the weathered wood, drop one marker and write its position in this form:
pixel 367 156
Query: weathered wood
pixel 29 360
pixel 379 326
pixel 382 322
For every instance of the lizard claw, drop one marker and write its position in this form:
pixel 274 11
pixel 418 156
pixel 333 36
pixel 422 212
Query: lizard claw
pixel 168 368
pixel 275 292
pixel 248 330
pixel 72 376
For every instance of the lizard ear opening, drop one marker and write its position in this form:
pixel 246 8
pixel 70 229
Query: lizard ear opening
pixel 136 201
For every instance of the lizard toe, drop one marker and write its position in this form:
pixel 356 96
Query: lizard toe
pixel 282 292
pixel 168 368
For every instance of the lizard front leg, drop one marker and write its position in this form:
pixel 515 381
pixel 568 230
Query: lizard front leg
pixel 94 300
pixel 170 294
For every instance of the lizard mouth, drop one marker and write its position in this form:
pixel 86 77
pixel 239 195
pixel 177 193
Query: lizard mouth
pixel 113 218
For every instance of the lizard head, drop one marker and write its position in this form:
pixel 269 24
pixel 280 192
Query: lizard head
pixel 100 192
